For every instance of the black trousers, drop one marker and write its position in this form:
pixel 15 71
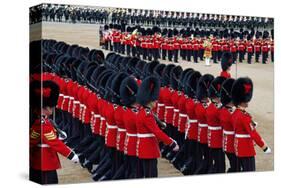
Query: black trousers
pixel 43 177
pixel 232 161
pixel 201 54
pixel 131 167
pixel 183 54
pixel 128 50
pixel 134 51
pixel 240 56
pixel 216 161
pixel 189 52
pixel 272 56
pixel 170 55
pixel 164 54
pixel 202 159
pixel 215 56
pixel 249 58
pixel 264 57
pixel 195 56
pixel 219 55
pixel 257 56
pixel 176 54
pixel 149 167
pixel 144 53
pixel 246 164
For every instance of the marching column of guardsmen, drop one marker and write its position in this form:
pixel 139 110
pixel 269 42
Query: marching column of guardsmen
pixel 113 111
pixel 191 45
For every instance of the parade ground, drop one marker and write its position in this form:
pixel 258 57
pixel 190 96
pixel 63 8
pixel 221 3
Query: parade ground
pixel 261 107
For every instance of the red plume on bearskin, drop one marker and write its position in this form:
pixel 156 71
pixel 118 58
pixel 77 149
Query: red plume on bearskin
pixel 242 90
pixel 43 94
pixel 148 90
pixel 214 89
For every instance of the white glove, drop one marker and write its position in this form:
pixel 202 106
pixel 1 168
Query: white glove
pixel 175 146
pixel 267 150
pixel 75 158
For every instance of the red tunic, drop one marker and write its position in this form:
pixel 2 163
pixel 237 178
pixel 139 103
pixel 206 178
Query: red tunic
pixel 111 127
pixel 44 146
pixel 225 74
pixel 92 104
pixel 182 122
pixel 175 99
pixel 121 131
pixel 200 112
pixel 160 109
pixel 192 128
pixel 228 130
pixel 148 135
pixel 245 134
pixel 131 131
pixel 214 127
pixel 169 108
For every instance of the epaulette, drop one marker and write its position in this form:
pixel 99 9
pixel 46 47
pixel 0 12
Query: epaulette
pixel 179 93
pixel 115 106
pixel 147 111
pixel 135 110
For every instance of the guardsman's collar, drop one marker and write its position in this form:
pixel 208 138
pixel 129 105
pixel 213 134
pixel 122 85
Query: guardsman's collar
pixel 243 109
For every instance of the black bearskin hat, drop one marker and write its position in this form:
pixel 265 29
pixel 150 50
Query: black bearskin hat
pixel 215 87
pixel 191 84
pixel 148 90
pixel 166 74
pixel 225 93
pixel 44 93
pixel 203 86
pixel 115 87
pixel 183 78
pixel 226 60
pixel 242 90
pixel 128 91
pixel 174 77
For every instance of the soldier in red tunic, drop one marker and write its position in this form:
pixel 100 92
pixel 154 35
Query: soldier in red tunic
pixel 44 138
pixel 225 115
pixel 191 128
pixel 200 112
pixel 148 132
pixel 217 157
pixel 244 126
pixel 226 63
pixel 128 92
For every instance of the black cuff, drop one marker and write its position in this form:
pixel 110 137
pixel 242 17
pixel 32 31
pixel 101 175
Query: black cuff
pixel 71 155
pixel 173 145
pixel 265 149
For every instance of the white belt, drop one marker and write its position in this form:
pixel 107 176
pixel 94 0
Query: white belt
pixel 97 116
pixel 169 107
pixel 228 132
pixel 130 134
pixel 214 128
pixel 160 104
pixel 176 110
pixel 145 135
pixel 202 125
pixel 111 126
pixel 193 121
pixel 76 102
pixel 121 130
pixel 43 145
pixel 71 98
pixel 82 105
pixel 65 97
pixel 183 115
pixel 61 94
pixel 102 118
pixel 242 136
